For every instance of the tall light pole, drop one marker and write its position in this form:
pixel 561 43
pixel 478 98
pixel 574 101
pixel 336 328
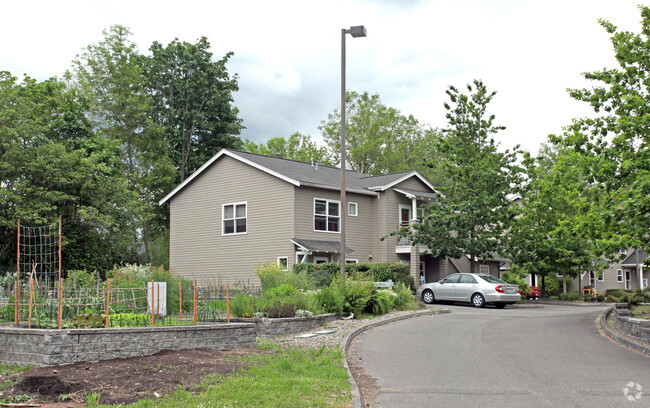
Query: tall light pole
pixel 355 31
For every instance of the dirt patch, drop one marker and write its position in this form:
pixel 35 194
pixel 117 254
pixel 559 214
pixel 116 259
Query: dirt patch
pixel 124 381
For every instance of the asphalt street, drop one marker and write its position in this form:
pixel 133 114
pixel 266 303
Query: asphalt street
pixel 515 357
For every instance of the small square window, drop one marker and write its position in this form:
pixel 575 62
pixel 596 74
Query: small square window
pixel 601 278
pixel 283 263
pixel 353 209
pixel 484 269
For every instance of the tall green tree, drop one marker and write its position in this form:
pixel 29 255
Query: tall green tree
pixel 192 97
pixel 380 139
pixel 474 210
pixel 297 147
pixel 614 145
pixel 111 75
pixel 53 164
pixel 546 236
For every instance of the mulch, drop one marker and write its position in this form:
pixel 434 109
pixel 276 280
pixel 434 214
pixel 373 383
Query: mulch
pixel 122 381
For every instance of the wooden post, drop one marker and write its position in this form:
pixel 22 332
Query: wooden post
pixel 152 299
pixel 227 304
pixel 180 301
pixel 108 299
pixel 17 287
pixel 31 299
pixel 60 316
pixel 194 302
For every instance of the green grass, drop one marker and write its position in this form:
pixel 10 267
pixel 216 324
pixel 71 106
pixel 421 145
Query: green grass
pixel 285 377
pixel 641 311
pixel 12 369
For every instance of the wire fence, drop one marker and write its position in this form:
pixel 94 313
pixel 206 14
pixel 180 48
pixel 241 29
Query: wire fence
pixel 154 303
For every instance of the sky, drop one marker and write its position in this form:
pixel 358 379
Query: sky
pixel 287 53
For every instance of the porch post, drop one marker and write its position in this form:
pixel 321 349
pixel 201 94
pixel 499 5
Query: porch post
pixel 415 256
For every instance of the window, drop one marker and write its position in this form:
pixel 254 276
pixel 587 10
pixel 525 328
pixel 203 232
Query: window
pixel 326 215
pixel 467 279
pixel 420 213
pixel 234 218
pixel 283 263
pixel 321 259
pixel 451 278
pixel 601 278
pixel 619 275
pixel 351 261
pixel 353 209
pixel 484 269
pixel 645 283
pixel 592 278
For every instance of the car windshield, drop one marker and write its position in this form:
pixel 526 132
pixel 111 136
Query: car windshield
pixel 492 279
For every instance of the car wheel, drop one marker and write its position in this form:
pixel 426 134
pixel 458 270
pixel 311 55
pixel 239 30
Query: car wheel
pixel 428 297
pixel 478 300
pixel 500 305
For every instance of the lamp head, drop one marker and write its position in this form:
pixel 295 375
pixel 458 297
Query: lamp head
pixel 357 31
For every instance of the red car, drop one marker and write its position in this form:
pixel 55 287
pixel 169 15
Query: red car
pixel 533 292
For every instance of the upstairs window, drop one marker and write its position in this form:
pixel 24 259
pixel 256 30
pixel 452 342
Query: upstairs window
pixel 234 218
pixel 326 215
pixel 353 209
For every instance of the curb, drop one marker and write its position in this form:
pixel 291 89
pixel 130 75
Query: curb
pixel 357 399
pixel 641 347
pixel 577 304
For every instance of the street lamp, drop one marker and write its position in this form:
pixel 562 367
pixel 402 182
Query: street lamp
pixel 356 31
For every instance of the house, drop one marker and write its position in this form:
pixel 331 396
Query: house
pixel 243 209
pixel 623 275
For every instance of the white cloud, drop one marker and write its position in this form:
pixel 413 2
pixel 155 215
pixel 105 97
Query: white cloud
pixel 287 53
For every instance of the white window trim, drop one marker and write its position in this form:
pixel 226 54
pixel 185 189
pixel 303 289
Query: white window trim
pixel 619 276
pixel 286 258
pixel 356 209
pixel 321 258
pixel 347 260
pixel 399 214
pixel 223 213
pixel 327 203
pixel 420 213
pixel 601 278
pixel 480 269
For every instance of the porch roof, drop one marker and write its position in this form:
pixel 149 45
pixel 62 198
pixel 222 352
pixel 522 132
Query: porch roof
pixel 420 195
pixel 632 259
pixel 330 247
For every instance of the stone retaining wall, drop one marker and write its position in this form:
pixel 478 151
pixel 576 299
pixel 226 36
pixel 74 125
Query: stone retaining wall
pixel 639 328
pixel 268 328
pixel 41 347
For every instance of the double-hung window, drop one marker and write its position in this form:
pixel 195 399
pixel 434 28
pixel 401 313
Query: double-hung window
pixel 234 218
pixel 619 275
pixel 326 215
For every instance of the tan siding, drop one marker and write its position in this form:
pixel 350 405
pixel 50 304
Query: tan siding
pixel 197 248
pixel 361 231
pixel 392 201
pixel 413 183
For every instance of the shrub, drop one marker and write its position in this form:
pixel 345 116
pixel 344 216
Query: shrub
pixel 357 294
pixel 587 297
pixel 380 302
pixel 242 305
pixel 551 286
pixel 330 300
pixel 271 276
pixel 564 296
pixel 573 296
pixel 279 309
pixel 284 290
pixel 404 299
pixel 554 297
pixel 600 297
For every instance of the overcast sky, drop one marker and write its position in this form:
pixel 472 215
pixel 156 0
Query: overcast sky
pixel 287 53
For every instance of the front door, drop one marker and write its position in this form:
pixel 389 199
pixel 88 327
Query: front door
pixel 404 215
pixel 628 279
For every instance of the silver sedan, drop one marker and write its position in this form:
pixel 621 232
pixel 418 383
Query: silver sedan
pixel 477 289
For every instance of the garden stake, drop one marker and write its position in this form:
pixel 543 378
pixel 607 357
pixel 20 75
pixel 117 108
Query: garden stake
pixel 108 299
pixel 16 289
pixel 180 301
pixel 152 311
pixel 31 298
pixel 60 311
pixel 227 304
pixel 194 302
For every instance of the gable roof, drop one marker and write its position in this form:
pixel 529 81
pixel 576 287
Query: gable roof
pixel 306 174
pixel 631 260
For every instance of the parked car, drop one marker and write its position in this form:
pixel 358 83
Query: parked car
pixel 477 289
pixel 533 292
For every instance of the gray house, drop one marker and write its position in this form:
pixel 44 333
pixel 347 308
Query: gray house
pixel 242 209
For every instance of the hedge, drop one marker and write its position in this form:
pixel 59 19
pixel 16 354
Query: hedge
pixel 322 273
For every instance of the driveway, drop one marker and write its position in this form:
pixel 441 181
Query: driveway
pixel 544 357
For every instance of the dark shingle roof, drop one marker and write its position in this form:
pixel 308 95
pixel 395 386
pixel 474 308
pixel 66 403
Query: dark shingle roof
pixel 632 259
pixel 307 174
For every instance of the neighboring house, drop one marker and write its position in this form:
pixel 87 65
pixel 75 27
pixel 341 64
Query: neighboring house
pixel 621 275
pixel 242 209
